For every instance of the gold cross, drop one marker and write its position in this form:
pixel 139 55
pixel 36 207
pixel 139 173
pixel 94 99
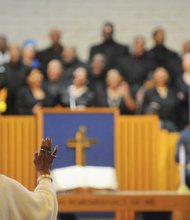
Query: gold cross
pixel 80 142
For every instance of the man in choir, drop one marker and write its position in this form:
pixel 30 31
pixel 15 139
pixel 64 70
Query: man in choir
pixel 16 202
pixel 13 77
pixel 160 54
pixel 56 79
pixel 136 67
pixel 97 75
pixel 70 61
pixel 109 47
pixel 54 51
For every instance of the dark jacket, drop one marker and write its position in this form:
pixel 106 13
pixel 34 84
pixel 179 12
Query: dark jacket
pixel 111 49
pixel 25 101
pixel 13 77
pixel 161 55
pixel 166 108
pixel 103 101
pixel 135 69
pixel 48 54
pixel 69 68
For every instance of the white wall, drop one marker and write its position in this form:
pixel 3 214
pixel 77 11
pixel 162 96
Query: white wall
pixel 81 20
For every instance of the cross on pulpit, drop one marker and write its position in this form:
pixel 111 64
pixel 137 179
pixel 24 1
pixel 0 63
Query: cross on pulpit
pixel 81 142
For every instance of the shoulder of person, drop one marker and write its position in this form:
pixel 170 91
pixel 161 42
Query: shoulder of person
pixel 96 46
pixel 45 50
pixel 118 44
pixel 5 181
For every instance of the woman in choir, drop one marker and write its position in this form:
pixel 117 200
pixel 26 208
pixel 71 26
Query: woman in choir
pixel 117 94
pixel 162 100
pixel 33 96
pixel 77 95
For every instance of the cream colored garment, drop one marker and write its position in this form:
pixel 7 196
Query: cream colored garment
pixel 16 202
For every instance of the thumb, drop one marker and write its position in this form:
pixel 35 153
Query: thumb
pixel 55 150
pixel 35 156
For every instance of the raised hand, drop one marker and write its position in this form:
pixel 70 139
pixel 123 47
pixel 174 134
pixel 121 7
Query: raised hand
pixel 44 158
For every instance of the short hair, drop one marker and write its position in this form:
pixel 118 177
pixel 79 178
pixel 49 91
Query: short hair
pixel 154 33
pixel 139 37
pixel 57 30
pixel 110 24
pixel 100 56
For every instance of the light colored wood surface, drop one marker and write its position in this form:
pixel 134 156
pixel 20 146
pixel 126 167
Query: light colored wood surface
pixel 123 203
pixel 144 154
pixel 18 142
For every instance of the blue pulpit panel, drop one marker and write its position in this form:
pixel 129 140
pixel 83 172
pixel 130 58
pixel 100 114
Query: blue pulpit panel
pixel 100 125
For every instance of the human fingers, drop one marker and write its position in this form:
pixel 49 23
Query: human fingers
pixel 46 146
pixel 48 143
pixel 43 148
pixel 54 154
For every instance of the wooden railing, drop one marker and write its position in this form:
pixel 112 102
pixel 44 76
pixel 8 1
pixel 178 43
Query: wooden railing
pixel 18 142
pixel 144 153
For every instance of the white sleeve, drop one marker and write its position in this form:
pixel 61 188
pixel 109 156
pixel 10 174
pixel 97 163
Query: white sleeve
pixel 21 203
pixel 45 197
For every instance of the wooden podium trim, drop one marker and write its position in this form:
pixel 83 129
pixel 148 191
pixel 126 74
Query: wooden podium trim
pixel 124 204
pixel 59 110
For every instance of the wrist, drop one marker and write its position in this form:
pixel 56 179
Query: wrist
pixel 45 176
pixel 44 172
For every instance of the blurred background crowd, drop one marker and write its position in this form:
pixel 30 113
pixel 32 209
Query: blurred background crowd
pixel 129 77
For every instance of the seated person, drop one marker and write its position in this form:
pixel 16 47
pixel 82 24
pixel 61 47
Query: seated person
pixel 162 100
pixel 97 74
pixel 70 61
pixel 77 95
pixel 55 78
pixel 117 94
pixel 16 202
pixel 32 97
